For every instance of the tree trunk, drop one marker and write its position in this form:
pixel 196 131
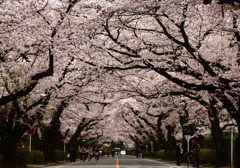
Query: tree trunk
pixel 237 160
pixel 8 146
pixel 217 136
pixel 171 141
pixel 51 142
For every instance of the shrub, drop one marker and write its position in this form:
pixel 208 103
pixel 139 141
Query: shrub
pixel 208 143
pixel 161 154
pixel 58 155
pixel 24 156
pixel 211 157
pixel 147 154
pixel 151 154
pixel 170 155
pixel 208 156
pixel 37 157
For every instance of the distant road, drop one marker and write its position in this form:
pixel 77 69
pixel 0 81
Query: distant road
pixel 118 162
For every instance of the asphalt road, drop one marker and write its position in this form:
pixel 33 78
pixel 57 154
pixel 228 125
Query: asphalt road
pixel 117 162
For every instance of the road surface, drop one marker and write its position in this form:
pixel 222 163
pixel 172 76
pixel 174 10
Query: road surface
pixel 118 162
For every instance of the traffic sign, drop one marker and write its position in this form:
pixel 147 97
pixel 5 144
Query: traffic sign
pixel 31 131
pixel 65 141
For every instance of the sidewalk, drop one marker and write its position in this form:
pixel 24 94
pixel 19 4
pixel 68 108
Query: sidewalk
pixel 184 164
pixel 172 162
pixel 48 164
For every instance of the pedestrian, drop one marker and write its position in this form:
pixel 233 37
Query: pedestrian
pixel 179 152
pixel 137 153
pixel 96 152
pixel 113 152
pixel 195 150
pixel 143 153
pixel 83 153
pixel 90 153
pixel 73 154
pixel 107 152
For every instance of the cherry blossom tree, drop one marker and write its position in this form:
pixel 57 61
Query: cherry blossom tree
pixel 38 40
pixel 64 60
pixel 178 40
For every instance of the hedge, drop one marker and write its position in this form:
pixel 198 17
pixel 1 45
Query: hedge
pixel 37 157
pixel 58 155
pixel 24 156
pixel 161 154
pixel 207 156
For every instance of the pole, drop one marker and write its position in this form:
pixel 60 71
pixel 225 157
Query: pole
pixel 64 149
pixel 231 146
pixel 152 146
pixel 30 143
pixel 188 137
pixel 188 151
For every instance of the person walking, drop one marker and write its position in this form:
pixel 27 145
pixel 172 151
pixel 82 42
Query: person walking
pixel 73 154
pixel 96 153
pixel 179 152
pixel 142 152
pixel 90 153
pixel 137 152
pixel 107 153
pixel 83 153
pixel 113 152
pixel 195 150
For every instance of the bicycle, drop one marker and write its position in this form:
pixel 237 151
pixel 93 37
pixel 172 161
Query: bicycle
pixel 90 156
pixel 192 162
pixel 96 155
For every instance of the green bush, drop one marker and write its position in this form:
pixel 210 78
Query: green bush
pixel 208 156
pixel 170 155
pixel 146 154
pixel 37 157
pixel 24 156
pixel 58 155
pixel 150 154
pixel 208 143
pixel 161 154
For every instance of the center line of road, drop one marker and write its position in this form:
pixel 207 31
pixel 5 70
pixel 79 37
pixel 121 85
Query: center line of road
pixel 117 162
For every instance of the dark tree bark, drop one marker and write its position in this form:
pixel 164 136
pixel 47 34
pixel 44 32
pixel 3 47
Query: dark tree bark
pixel 52 137
pixel 11 133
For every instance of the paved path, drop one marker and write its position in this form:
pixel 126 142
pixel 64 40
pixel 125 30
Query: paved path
pixel 118 162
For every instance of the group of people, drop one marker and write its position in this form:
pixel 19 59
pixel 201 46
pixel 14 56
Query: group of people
pixel 193 154
pixel 139 153
pixel 85 153
pixel 88 153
